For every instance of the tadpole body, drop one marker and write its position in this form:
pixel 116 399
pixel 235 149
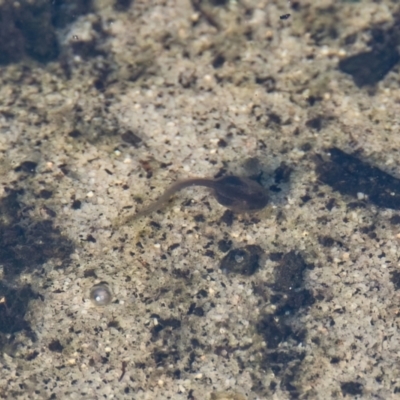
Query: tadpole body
pixel 239 194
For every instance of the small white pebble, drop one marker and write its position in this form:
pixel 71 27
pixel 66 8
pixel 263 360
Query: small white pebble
pixel 182 389
pixel 107 349
pixel 360 195
pixel 117 153
pixel 127 160
pixel 325 50
pixel 195 17
pixel 90 194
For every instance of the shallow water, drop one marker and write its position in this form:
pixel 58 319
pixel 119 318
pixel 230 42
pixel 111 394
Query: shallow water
pixel 105 103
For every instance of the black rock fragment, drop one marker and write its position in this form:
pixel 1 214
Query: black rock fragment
pixel 56 346
pixel 244 260
pixel 76 205
pixel 218 61
pixel 45 194
pixel 349 175
pixel 351 388
pixel 284 16
pixel 131 138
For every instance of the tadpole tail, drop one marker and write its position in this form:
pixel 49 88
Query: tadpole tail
pixel 175 187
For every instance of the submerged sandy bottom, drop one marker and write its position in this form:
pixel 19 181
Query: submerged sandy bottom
pixel 306 302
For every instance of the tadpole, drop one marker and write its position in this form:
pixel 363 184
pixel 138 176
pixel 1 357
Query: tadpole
pixel 239 194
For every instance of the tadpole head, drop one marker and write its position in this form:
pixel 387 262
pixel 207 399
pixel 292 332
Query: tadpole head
pixel 240 194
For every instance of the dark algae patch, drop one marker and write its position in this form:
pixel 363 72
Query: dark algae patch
pixel 370 67
pixel 13 307
pixel 395 279
pixel 348 175
pixel 25 245
pixel 283 336
pixel 29 27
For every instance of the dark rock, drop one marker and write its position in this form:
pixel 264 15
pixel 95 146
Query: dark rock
pixel 76 204
pixel 218 61
pixel 55 346
pixel 46 194
pixel 351 388
pixel 131 138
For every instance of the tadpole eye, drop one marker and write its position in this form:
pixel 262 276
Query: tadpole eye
pixel 101 294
